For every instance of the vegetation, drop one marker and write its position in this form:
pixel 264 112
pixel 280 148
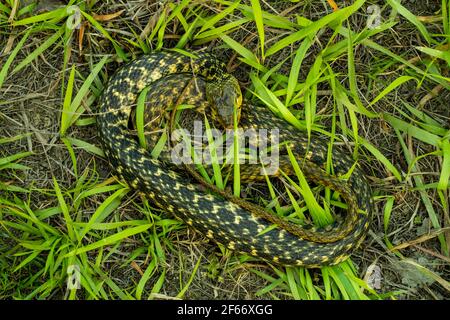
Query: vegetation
pixel 377 85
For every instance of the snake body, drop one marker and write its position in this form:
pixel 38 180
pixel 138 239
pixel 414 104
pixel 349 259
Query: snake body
pixel 224 221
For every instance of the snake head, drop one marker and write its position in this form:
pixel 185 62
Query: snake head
pixel 224 96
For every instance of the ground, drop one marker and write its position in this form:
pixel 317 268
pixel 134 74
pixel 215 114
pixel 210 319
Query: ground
pixel 382 93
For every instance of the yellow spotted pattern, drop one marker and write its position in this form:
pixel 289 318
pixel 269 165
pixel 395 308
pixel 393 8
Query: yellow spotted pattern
pixel 235 225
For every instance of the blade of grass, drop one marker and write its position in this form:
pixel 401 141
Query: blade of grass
pixel 188 35
pixel 418 133
pixel 423 194
pixel 216 18
pixel 186 286
pixel 446 16
pixel 237 159
pixel 444 55
pixel 445 173
pixel 387 213
pixel 9 159
pixel 257 13
pixel 64 209
pixel 295 69
pixel 273 102
pixel 315 209
pixel 86 146
pixel 395 4
pixel 140 113
pixel 144 279
pixel 296 293
pixel 72 155
pixel 315 26
pixel 311 93
pixel 158 285
pixel 214 33
pixel 212 146
pixel 73 111
pixel 55 15
pixel 371 44
pixel 120 53
pixel 65 117
pixel 394 84
pixel 110 240
pixel 244 52
pixel 4 69
pixel 99 214
pixel 39 50
pixel 380 157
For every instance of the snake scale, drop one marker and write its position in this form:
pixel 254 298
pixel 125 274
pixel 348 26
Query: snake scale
pixel 224 221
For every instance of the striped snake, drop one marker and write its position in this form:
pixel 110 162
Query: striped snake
pixel 233 222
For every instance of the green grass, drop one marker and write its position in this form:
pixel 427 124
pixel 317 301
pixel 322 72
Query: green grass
pixel 102 227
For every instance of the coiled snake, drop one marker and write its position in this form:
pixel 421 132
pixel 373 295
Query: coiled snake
pixel 237 225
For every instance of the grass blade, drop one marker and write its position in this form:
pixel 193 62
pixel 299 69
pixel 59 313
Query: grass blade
pixel 380 157
pixel 394 84
pixel 65 115
pixel 99 214
pixel 140 115
pixel 395 4
pixel 55 16
pixel 145 277
pixel 315 26
pixel 243 51
pixel 39 50
pixel 295 69
pixel 212 146
pixel 444 55
pixel 4 70
pixel 445 173
pixel 259 24
pixel 99 27
pixel 110 240
pixel 216 18
pixel 73 112
pixel 412 130
pixel 64 209
pixel 86 146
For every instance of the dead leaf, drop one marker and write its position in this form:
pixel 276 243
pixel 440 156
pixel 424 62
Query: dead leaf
pixel 107 17
pixel 333 5
pixel 135 266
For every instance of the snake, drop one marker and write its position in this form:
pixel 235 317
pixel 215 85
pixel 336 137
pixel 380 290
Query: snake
pixel 234 223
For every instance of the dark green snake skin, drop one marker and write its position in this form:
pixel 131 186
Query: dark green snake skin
pixel 219 219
